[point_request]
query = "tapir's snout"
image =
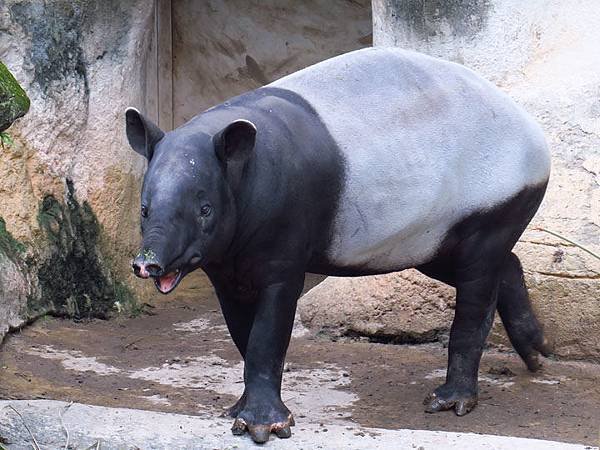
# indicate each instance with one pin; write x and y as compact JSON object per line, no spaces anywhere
{"x":145,"y":268}
{"x":145,"y":265}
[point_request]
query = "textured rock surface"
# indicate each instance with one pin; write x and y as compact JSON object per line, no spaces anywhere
{"x":118,"y":428}
{"x":404,"y":308}
{"x":14,"y":286}
{"x":546,"y":56}
{"x":244,"y":44}
{"x":68,"y":183}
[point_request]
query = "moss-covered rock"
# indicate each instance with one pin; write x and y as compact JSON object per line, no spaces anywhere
{"x":85,"y":61}
{"x":14,"y":102}
{"x":8,"y":244}
{"x":74,"y":281}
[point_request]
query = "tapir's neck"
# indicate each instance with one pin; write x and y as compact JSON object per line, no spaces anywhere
{"x":293,"y":177}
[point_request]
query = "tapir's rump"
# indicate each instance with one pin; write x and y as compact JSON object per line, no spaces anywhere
{"x":425,"y":143}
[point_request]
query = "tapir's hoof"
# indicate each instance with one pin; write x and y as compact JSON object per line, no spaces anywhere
{"x":440,"y":401}
{"x":260,"y":433}
{"x":545,"y":348}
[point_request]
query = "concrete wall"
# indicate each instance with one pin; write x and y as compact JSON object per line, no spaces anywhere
{"x":545,"y":54}
{"x":224,"y":48}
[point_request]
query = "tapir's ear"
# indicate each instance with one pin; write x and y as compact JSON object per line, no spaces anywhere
{"x":142,"y":134}
{"x":236,"y":141}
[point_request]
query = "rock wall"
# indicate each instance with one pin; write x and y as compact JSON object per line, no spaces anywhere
{"x":69,"y":185}
{"x":14,"y":104}
{"x":545,"y":54}
{"x":224,"y":48}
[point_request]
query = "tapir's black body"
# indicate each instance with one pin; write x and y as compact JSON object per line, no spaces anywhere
{"x":281,"y":191}
{"x":259,"y":190}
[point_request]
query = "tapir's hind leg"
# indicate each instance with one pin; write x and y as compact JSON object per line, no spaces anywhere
{"x":475,"y":307}
{"x":477,"y":297}
{"x":523,"y":329}
{"x":476,"y":258}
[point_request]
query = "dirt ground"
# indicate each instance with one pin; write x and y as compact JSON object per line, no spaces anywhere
{"x":178,"y":357}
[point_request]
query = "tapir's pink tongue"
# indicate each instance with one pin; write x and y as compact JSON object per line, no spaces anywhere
{"x":167,"y":282}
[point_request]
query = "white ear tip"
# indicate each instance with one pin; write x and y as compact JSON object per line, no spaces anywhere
{"x":247,"y":122}
{"x":131,"y":108}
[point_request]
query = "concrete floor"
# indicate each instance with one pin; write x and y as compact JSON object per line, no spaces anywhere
{"x":175,"y":369}
{"x":118,"y":428}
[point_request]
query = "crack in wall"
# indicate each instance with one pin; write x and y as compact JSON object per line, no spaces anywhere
{"x":567,"y":275}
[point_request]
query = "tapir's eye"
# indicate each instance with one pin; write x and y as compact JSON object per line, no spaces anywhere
{"x":205,"y":210}
{"x":144,"y":211}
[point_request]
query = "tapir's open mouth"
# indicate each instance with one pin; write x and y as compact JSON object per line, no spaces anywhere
{"x":166,"y":283}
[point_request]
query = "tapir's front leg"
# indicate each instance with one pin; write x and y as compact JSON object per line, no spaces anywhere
{"x":239,"y":315}
{"x":264,"y":411}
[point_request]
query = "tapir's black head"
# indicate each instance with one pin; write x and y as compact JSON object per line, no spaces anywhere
{"x":188,"y":213}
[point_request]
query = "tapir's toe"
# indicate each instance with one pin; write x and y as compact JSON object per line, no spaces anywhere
{"x":283,"y":432}
{"x":546,"y":348}
{"x":239,"y":427}
{"x":260,"y":432}
{"x":462,"y":407}
{"x":532,"y":361}
{"x":439,"y":400}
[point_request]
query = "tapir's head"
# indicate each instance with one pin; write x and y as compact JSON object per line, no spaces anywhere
{"x":187,"y":211}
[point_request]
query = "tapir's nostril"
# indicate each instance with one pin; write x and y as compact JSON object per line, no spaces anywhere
{"x":143,"y":270}
{"x":138,"y":269}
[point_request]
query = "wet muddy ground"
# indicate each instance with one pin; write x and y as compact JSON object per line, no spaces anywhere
{"x":178,"y":357}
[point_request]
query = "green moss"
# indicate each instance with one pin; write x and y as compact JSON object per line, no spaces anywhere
{"x":14,"y":102}
{"x":125,"y":302}
{"x":73,"y":280}
{"x":8,"y":244}
{"x":5,"y":140}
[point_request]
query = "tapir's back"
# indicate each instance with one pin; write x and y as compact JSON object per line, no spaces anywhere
{"x":425,"y":143}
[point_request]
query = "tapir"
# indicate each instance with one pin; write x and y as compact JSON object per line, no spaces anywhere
{"x":371,"y":162}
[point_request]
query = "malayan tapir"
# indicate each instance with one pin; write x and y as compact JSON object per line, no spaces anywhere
{"x":367,"y":163}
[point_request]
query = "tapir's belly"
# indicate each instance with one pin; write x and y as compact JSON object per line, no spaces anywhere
{"x":425,"y":143}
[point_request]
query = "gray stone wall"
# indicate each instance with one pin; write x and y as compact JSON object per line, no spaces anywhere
{"x":224,"y":48}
